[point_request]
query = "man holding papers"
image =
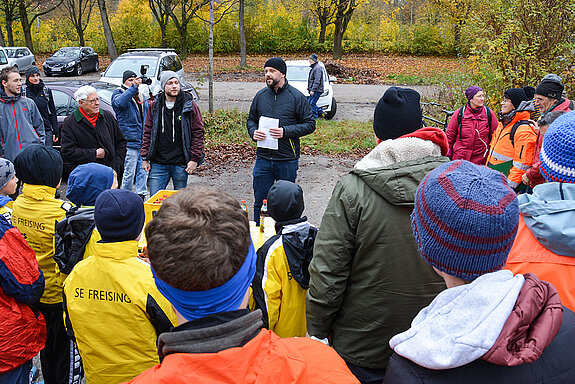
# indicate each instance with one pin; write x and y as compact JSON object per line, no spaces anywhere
{"x":279,"y":116}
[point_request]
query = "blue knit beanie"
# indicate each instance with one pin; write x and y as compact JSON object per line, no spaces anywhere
{"x":87,"y":181}
{"x":119,"y":215}
{"x":465,"y":219}
{"x":557,"y":155}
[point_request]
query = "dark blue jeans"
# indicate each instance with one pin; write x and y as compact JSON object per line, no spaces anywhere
{"x":161,"y":174}
{"x":266,"y":172}
{"x":20,"y":375}
{"x":317,"y":111}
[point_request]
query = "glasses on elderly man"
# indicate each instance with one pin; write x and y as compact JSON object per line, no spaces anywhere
{"x":92,"y":101}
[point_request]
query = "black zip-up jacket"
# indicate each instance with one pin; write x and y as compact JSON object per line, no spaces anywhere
{"x":288,"y":105}
{"x":42,"y":96}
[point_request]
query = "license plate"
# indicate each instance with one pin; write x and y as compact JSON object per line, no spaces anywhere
{"x":56,"y":69}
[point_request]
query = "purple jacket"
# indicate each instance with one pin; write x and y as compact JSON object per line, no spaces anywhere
{"x":472,"y":143}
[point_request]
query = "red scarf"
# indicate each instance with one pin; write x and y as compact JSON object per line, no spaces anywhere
{"x":92,"y":120}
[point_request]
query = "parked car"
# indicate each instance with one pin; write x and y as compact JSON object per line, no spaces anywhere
{"x":72,"y":61}
{"x":20,"y":57}
{"x":3,"y":59}
{"x":297,"y":75}
{"x":155,"y":60}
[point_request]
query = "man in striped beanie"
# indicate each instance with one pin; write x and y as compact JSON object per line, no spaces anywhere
{"x":488,"y":324}
{"x":545,"y":242}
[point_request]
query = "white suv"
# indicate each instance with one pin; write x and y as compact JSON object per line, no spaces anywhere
{"x":297,"y":75}
{"x":3,"y":58}
{"x":157,"y":60}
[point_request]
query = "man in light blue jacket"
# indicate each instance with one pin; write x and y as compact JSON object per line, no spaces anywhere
{"x":131,"y":109}
{"x":20,"y":121}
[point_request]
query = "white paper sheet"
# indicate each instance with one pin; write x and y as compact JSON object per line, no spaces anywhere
{"x":264,"y":125}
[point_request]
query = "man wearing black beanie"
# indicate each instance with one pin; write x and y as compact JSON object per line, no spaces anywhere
{"x":549,"y":95}
{"x":279,"y":116}
{"x":35,"y":214}
{"x":367,"y":279}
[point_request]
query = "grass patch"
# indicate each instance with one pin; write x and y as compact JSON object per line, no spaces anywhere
{"x":330,"y":137}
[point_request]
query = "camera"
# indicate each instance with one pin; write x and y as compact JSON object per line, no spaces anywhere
{"x":145,"y":80}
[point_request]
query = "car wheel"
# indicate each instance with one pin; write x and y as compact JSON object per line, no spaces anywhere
{"x":329,"y":115}
{"x":79,"y":70}
{"x":97,"y":67}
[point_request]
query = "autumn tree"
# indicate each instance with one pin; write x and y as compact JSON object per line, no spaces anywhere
{"x":242,"y":28}
{"x":324,"y":11}
{"x":36,"y":8}
{"x":10,"y":10}
{"x":161,"y":10}
{"x":183,"y":12}
{"x":343,"y":14}
{"x":112,"y":51}
{"x":79,"y":12}
{"x":520,"y":50}
{"x":459,"y":12}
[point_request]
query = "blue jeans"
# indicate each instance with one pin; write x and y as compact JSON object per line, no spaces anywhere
{"x":20,"y":375}
{"x":265,"y":173}
{"x":160,"y":175}
{"x":317,"y":111}
{"x":133,"y":165}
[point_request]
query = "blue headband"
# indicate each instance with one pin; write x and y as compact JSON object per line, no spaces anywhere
{"x":227,"y":297}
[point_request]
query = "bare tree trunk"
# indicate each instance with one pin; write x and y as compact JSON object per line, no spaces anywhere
{"x":322,"y":29}
{"x":25,"y":25}
{"x":2,"y":41}
{"x":243,"y":51}
{"x":112,"y":51}
{"x":338,"y":38}
{"x":9,"y":31}
{"x":80,"y":33}
{"x":211,"y":59}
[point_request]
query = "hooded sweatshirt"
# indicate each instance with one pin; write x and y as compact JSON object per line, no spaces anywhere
{"x":367,"y":279}
{"x":545,"y":242}
{"x":20,"y":124}
{"x":498,"y":329}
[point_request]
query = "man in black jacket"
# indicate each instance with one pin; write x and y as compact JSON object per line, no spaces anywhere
{"x":294,"y":119}
{"x":91,"y":134}
{"x":315,"y":86}
{"x":35,"y":90}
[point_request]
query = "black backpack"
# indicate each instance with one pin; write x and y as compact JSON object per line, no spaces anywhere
{"x":460,"y":118}
{"x":71,"y":237}
{"x":514,"y":129}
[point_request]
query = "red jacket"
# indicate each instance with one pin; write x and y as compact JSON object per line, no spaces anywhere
{"x":564,"y":105}
{"x":472,"y":143}
{"x":266,"y":358}
{"x":22,"y":330}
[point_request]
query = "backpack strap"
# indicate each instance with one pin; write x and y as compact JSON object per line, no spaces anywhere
{"x":460,"y":121}
{"x":514,"y":129}
{"x":488,"y":113}
{"x":572,"y":105}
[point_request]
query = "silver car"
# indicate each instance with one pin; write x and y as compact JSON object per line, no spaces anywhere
{"x":20,"y":57}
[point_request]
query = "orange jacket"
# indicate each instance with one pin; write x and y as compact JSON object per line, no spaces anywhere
{"x":266,"y":358}
{"x":502,"y":150}
{"x":528,"y":255}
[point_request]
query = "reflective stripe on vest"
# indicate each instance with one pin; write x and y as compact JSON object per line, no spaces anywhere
{"x":521,"y":166}
{"x":500,"y":157}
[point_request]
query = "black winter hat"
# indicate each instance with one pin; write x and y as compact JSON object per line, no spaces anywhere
{"x":313,"y":57}
{"x":397,"y":113}
{"x":31,"y":70}
{"x":277,"y":63}
{"x":127,"y":75}
{"x":285,"y":201}
{"x":516,"y":95}
{"x":119,"y":215}
{"x":39,"y":165}
{"x":550,"y":86}
{"x":529,"y":91}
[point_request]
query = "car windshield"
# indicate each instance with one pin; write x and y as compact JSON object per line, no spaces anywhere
{"x":11,"y":52}
{"x":121,"y":64}
{"x":105,"y":94}
{"x":297,"y":73}
{"x":67,"y":52}
{"x":3,"y":58}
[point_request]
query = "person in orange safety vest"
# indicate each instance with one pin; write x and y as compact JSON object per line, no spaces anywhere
{"x":513,"y":143}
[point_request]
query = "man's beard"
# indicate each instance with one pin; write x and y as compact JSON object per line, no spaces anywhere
{"x":273,"y":83}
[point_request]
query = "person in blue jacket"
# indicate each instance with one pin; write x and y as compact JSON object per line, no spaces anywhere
{"x":131,"y":109}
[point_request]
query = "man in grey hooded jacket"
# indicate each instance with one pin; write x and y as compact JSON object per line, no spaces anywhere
{"x":20,"y":121}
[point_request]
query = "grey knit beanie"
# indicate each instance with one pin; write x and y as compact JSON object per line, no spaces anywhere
{"x":6,"y":172}
{"x":167,"y":75}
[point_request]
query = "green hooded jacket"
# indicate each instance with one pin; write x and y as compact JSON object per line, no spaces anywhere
{"x":368,"y":280}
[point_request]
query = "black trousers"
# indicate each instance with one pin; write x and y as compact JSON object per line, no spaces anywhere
{"x":366,"y":375}
{"x":55,"y":357}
